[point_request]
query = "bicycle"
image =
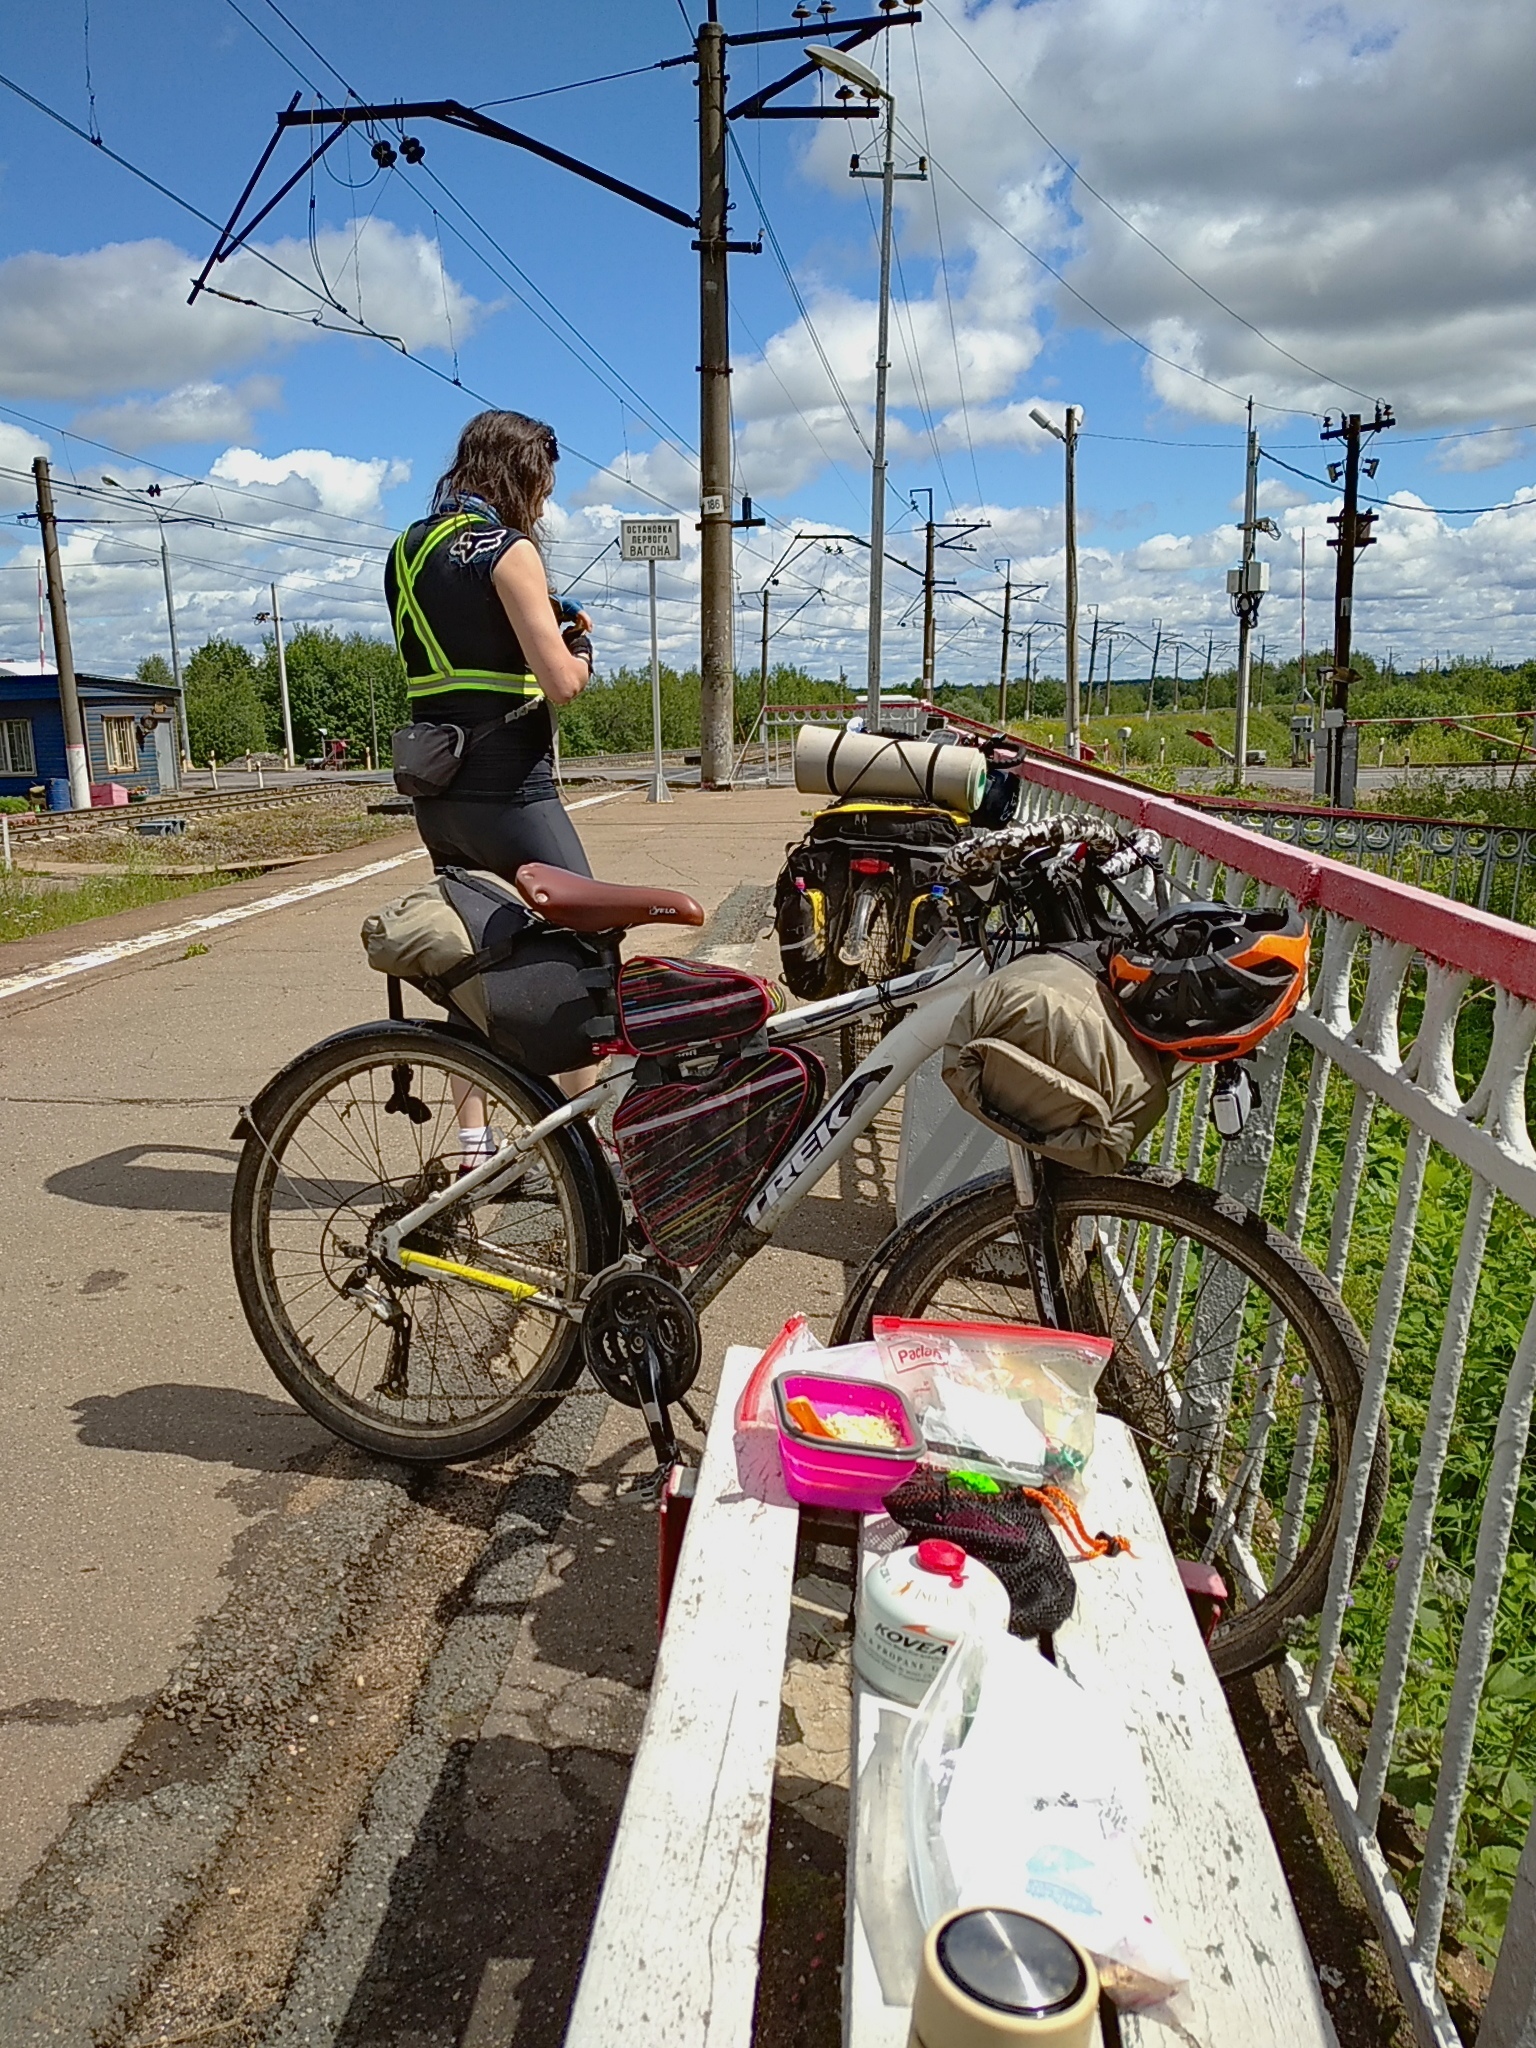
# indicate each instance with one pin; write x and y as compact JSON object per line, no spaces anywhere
{"x":430,"y":1314}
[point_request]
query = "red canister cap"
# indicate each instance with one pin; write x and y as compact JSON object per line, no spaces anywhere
{"x":945,"y":1560}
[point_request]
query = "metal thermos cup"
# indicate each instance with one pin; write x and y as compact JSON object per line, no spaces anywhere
{"x":990,"y":1975}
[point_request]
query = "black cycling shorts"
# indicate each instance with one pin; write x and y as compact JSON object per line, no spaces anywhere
{"x":499,"y":837}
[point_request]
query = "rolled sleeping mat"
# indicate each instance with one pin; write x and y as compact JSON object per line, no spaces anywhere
{"x":832,"y":761}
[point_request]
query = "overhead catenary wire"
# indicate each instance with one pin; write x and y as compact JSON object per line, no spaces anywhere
{"x":1076,"y":174}
{"x":949,"y":304}
{"x":359,"y":328}
{"x":1153,"y":354}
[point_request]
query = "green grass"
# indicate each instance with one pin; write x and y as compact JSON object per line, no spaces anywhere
{"x":26,"y":911}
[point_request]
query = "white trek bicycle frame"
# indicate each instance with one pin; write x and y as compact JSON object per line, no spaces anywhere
{"x":931,"y":996}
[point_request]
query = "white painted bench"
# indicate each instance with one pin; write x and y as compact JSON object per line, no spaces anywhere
{"x":674,"y":1948}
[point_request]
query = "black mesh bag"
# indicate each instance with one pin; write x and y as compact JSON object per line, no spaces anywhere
{"x":1006,"y":1531}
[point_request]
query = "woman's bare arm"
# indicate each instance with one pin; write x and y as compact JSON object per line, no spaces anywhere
{"x":519,"y":582}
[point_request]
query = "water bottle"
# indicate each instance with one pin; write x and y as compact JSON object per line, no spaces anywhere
{"x":990,"y":1975}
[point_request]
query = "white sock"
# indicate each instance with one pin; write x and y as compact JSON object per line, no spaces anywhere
{"x":476,"y":1144}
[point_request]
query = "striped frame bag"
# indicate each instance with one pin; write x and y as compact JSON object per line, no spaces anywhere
{"x":694,"y":1152}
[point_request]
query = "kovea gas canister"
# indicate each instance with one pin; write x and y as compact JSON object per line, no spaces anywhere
{"x":914,"y":1606}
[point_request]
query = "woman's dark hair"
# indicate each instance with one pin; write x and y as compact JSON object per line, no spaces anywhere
{"x":509,"y":460}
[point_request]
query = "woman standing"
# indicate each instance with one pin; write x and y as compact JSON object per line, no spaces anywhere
{"x":480,"y":636}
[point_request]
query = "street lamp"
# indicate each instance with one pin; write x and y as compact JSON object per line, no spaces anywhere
{"x":1067,"y":436}
{"x":153,"y":491}
{"x":841,"y":65}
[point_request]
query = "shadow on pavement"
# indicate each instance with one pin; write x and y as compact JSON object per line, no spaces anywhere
{"x":221,"y":1425}
{"x":125,"y":1180}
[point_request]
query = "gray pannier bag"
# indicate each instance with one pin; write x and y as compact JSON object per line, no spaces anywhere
{"x":1039,"y":1054}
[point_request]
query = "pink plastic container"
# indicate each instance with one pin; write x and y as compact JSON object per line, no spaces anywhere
{"x":855,"y":1477}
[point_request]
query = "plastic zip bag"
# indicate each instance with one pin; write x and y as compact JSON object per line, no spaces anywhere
{"x":1022,"y":1791}
{"x":1004,"y":1398}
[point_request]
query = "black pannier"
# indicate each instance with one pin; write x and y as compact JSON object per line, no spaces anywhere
{"x":548,"y":993}
{"x":811,"y":895}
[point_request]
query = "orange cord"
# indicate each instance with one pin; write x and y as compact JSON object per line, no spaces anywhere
{"x":1063,"y":1510}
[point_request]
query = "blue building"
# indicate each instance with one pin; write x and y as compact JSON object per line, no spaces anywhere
{"x":130,"y":732}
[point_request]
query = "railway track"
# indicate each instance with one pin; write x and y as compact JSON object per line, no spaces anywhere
{"x":55,"y":825}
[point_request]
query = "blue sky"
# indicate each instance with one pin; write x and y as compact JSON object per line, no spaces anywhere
{"x":1354,"y":184}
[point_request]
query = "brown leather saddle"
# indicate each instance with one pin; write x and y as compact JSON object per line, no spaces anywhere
{"x":581,"y":905}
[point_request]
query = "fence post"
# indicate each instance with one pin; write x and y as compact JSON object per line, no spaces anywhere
{"x":1509,"y":2017}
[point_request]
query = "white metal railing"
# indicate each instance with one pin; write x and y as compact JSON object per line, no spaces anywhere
{"x":1399,"y":972}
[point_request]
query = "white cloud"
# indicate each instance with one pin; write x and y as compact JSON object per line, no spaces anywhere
{"x":1357,"y":180}
{"x":341,"y":484}
{"x":1468,"y":453}
{"x":201,"y":411}
{"x":17,"y":450}
{"x":115,"y":319}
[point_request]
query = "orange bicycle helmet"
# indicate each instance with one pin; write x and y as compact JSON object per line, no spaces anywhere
{"x":1206,"y":982}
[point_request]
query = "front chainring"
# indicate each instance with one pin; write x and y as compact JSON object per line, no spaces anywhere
{"x":629,"y":1312}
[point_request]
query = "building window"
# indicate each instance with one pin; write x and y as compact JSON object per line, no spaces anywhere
{"x":122,"y":745}
{"x":16,"y":755}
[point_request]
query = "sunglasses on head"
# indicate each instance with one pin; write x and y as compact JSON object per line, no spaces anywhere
{"x":551,"y":447}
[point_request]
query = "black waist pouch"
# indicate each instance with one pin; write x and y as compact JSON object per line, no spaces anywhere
{"x":427,"y":756}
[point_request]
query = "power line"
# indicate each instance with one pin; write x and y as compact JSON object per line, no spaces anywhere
{"x":359,"y":328}
{"x":1156,"y":355}
{"x":789,"y":279}
{"x":949,"y":306}
{"x":1140,"y":234}
{"x":576,"y":85}
{"x":1393,"y":504}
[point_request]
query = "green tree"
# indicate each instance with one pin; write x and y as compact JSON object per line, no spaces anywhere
{"x":225,"y":713}
{"x":348,"y":686}
{"x":154,"y":672}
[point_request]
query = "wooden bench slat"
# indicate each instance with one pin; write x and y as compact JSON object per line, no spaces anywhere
{"x":674,"y":1950}
{"x":1207,"y":1853}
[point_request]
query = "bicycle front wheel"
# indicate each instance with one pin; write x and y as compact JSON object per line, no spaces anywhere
{"x":429,"y":1366}
{"x":1236,"y":1364}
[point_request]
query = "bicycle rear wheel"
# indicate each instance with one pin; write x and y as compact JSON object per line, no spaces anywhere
{"x":429,"y":1366}
{"x":1236,"y":1364}
{"x":882,"y":958}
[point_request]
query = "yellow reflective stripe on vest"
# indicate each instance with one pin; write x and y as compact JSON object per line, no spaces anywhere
{"x":406,"y":605}
{"x":472,"y":679}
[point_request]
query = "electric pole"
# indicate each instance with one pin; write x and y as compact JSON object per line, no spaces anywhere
{"x":1205,"y":687}
{"x":1002,"y":672}
{"x":185,"y":742}
{"x":1353,"y":537}
{"x":1246,"y":587}
{"x":63,"y":654}
{"x":710,"y":226}
{"x":276,"y":617}
{"x":716,"y":687}
{"x":1029,"y":674}
{"x":1093,"y":659}
{"x":1067,"y":436}
{"x":928,"y":600}
{"x":762,"y":676}
{"x":1157,"y":648}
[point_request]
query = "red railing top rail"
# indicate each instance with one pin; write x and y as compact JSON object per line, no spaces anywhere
{"x":1493,"y":948}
